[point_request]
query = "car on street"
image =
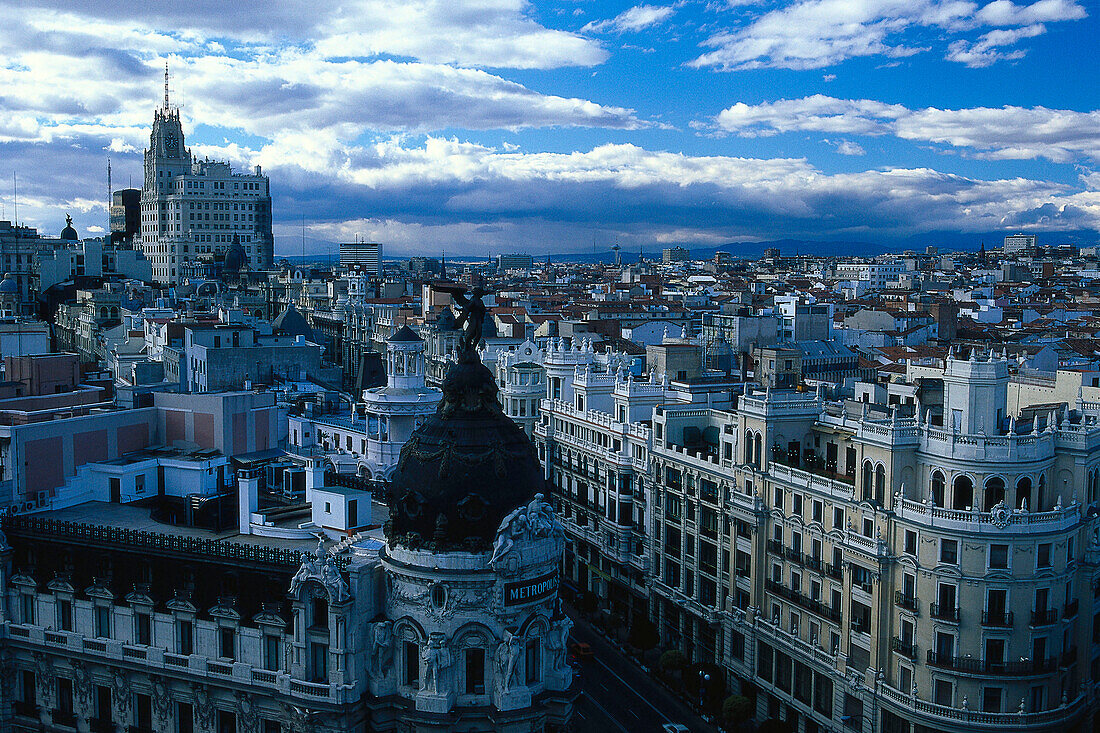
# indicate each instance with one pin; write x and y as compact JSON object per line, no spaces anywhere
{"x":674,"y":728}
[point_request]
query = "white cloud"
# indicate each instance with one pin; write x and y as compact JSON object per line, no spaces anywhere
{"x":986,"y":50}
{"x":811,"y":34}
{"x":1003,"y":133}
{"x":632,"y":20}
{"x":847,"y":147}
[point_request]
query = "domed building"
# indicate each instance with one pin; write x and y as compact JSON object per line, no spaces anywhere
{"x":68,"y":234}
{"x":472,"y":563}
{"x":9,"y":296}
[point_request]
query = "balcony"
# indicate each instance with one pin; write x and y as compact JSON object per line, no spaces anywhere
{"x":793,"y":555}
{"x":775,"y":547}
{"x":64,"y":718}
{"x":904,"y":601}
{"x":944,"y":613}
{"x":969,"y":665}
{"x":1044,"y":617}
{"x":810,"y":604}
{"x":833,"y":571}
{"x":906,"y":648}
{"x":813,"y":563}
{"x":998,"y":619}
{"x":26,"y":709}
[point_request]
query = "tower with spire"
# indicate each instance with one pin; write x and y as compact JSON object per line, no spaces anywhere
{"x":193,"y":209}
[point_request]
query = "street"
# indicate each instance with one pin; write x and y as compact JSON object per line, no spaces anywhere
{"x":616,"y":695}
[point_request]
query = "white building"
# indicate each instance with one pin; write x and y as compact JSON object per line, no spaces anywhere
{"x":192,"y":208}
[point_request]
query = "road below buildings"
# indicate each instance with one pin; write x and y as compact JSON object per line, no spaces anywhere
{"x":617,"y":696}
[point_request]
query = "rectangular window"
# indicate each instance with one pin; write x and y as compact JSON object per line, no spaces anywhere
{"x":185,"y":636}
{"x":65,"y":615}
{"x":271,"y":652}
{"x":910,"y":542}
{"x":185,"y":718}
{"x":65,"y":695}
{"x":103,"y":621}
{"x":412,"y":664}
{"x":226,"y":642}
{"x":533,"y":661}
{"x":318,"y":662}
{"x":998,"y":557}
{"x":28,"y":608}
{"x":1044,"y":555}
{"x":949,"y":552}
{"x":227,"y":722}
{"x":475,"y":671}
{"x":143,"y":712}
{"x":142,"y":628}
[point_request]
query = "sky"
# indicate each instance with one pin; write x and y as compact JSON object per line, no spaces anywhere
{"x":488,"y":126}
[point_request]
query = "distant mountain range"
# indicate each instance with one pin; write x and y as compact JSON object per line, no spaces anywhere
{"x":945,"y":241}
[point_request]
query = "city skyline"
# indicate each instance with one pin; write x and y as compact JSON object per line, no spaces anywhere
{"x":510,"y":126}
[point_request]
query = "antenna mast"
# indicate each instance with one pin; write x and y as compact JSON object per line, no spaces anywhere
{"x":165,"y":86}
{"x":110,"y":197}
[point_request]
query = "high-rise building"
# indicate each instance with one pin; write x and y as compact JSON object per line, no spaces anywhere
{"x":515,"y":261}
{"x":1019,"y":244}
{"x":674,"y":254}
{"x":368,"y":255}
{"x":193,"y":209}
{"x":125,"y":214}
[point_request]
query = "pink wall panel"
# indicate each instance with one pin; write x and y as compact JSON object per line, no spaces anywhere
{"x":204,"y":429}
{"x":89,"y":447}
{"x":132,"y":437}
{"x":43,"y":465}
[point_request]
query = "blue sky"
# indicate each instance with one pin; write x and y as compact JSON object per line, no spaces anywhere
{"x":502,"y":125}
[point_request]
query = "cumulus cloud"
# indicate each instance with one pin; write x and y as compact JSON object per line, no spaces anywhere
{"x":632,"y":20}
{"x":479,"y":33}
{"x":811,"y":34}
{"x":1001,"y":133}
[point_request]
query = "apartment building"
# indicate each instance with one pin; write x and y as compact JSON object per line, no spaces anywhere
{"x":910,"y":568}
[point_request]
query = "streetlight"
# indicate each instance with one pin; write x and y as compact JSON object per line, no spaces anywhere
{"x":704,"y":678}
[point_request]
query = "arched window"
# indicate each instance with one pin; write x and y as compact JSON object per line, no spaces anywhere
{"x":880,"y":484}
{"x":868,"y":477}
{"x":962,"y":494}
{"x":939,"y":486}
{"x":994,"y":493}
{"x":1023,"y":493}
{"x":1040,"y":496}
{"x":756,"y":450}
{"x":748,"y":446}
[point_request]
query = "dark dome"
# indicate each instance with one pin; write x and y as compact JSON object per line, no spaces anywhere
{"x":406,"y":334}
{"x":235,"y":258}
{"x":292,"y":323}
{"x":463,"y":469}
{"x":68,"y":234}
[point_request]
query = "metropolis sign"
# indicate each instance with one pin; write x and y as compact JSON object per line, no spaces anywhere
{"x":529,"y":591}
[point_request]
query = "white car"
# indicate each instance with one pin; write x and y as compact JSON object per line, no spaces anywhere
{"x":675,"y":728}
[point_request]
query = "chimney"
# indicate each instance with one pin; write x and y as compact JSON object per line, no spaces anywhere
{"x":248,"y":497}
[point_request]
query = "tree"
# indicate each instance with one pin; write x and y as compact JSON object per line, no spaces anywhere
{"x":643,"y":633}
{"x":673,"y":661}
{"x":736,"y":710}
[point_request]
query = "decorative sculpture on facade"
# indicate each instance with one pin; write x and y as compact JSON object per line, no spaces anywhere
{"x":533,"y":521}
{"x":558,"y":641}
{"x":508,"y":655}
{"x":382,"y":648}
{"x":436,"y":659}
{"x":471,"y":319}
{"x":321,"y":567}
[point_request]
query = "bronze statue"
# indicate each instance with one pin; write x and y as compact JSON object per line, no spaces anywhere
{"x":472,"y":317}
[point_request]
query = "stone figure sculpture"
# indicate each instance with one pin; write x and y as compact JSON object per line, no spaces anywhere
{"x":435,"y":659}
{"x":534,"y":520}
{"x":508,"y":654}
{"x":558,"y":641}
{"x":382,"y":650}
{"x":472,"y":318}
